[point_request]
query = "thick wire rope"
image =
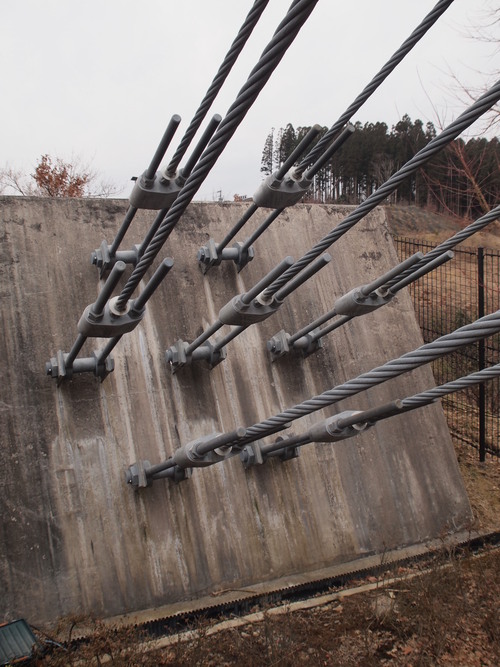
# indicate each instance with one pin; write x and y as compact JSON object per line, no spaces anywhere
{"x":431,"y":395}
{"x":323,"y":143}
{"x":466,"y":119}
{"x":397,"y":407}
{"x":226,"y":66}
{"x":231,"y":57}
{"x":283,"y":37}
{"x":471,"y":333}
{"x":391,"y":64}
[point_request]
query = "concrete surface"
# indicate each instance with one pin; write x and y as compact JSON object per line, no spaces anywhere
{"x":74,"y":538}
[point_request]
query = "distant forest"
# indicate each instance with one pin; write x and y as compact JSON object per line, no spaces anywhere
{"x":463,"y":179}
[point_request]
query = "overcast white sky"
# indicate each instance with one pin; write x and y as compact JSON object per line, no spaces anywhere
{"x":100,"y":79}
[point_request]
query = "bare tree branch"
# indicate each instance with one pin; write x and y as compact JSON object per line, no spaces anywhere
{"x":53,"y":177}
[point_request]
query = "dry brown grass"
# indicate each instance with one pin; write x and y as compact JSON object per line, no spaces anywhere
{"x":482,"y":481}
{"x":424,"y":224}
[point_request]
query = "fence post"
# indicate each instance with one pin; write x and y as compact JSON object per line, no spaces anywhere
{"x":481,"y":356}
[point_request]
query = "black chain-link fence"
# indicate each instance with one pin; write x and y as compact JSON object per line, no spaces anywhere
{"x":455,"y":294}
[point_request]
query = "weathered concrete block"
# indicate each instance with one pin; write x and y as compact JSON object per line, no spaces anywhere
{"x":75,"y":537}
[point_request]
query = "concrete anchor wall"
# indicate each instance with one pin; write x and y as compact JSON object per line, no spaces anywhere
{"x":75,"y":538}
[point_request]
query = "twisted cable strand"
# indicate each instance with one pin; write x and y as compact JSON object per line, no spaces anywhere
{"x":283,"y":37}
{"x":226,"y":66}
{"x":407,"y":404}
{"x":482,"y":328}
{"x":431,"y":395}
{"x":391,"y":64}
{"x":470,"y":115}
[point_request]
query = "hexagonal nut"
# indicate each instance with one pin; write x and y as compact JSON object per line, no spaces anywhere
{"x":278,"y":344}
{"x":176,"y":354}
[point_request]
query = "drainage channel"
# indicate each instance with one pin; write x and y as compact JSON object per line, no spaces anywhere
{"x":157,"y":624}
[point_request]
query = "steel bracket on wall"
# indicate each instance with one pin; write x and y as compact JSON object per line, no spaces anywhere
{"x":254,"y":453}
{"x":209,"y":255}
{"x":104,"y":261}
{"x":279,"y":344}
{"x":59,"y":370}
{"x":177,"y":355}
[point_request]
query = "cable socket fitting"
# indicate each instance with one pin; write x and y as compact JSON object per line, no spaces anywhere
{"x":110,"y":323}
{"x":155,"y":193}
{"x":188,"y":456}
{"x":238,"y":313}
{"x":356,"y":303}
{"x":276,"y":193}
{"x":330,"y":430}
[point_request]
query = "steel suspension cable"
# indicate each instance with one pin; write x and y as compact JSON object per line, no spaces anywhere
{"x":391,"y":64}
{"x":397,"y":407}
{"x":226,"y":66}
{"x":431,"y":395}
{"x":285,"y":34}
{"x":466,"y":119}
{"x":471,"y":333}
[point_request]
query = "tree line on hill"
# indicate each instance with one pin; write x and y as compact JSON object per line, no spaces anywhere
{"x":463,"y":179}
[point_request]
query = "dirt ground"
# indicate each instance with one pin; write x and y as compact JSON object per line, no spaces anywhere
{"x":482,"y":481}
